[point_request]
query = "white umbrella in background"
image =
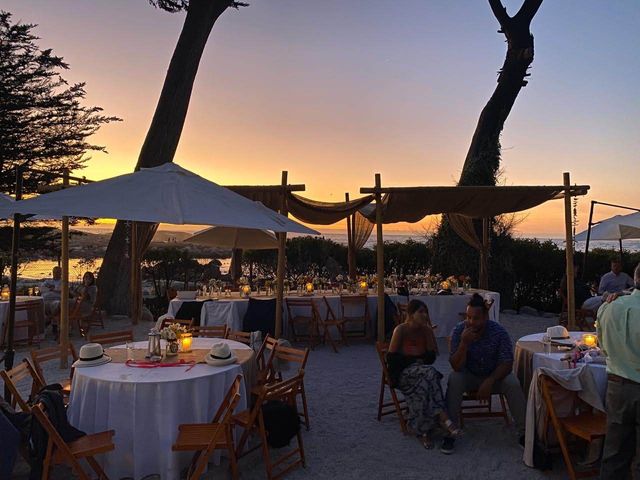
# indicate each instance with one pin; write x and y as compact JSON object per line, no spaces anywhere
{"x":619,"y":227}
{"x":231,"y":237}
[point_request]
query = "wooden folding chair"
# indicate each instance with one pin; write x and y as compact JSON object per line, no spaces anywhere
{"x":85,"y":322}
{"x":402,"y":313}
{"x":588,"y":425}
{"x":112,"y":337}
{"x":472,"y":407}
{"x":204,"y":438}
{"x":264,"y":358}
{"x":238,"y":336}
{"x":309,"y":319}
{"x":181,"y":321}
{"x":331,"y":320}
{"x":253,"y":420}
{"x":86,"y":447}
{"x":396,"y":405}
{"x":292,"y":355}
{"x":349,"y":303}
{"x":49,"y":354}
{"x":210,"y":331}
{"x":21,"y":372}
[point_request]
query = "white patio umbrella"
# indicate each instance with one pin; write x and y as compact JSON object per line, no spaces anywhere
{"x":619,"y":227}
{"x":231,"y":237}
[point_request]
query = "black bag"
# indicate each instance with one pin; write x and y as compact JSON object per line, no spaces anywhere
{"x":57,"y":413}
{"x":281,"y":422}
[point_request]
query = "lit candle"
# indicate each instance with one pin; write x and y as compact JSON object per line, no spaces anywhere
{"x":185,"y":342}
{"x":364,"y":285}
{"x":246,"y":290}
{"x":4,"y":294}
{"x":589,"y":339}
{"x":309,"y":287}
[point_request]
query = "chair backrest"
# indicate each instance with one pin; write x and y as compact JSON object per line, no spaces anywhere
{"x":44,"y":355}
{"x":382,"y":348}
{"x":242,"y":337}
{"x":181,"y":321}
{"x":11,"y":378}
{"x":210,"y":331}
{"x":219,"y":313}
{"x":226,"y":407}
{"x":297,"y":304}
{"x":330,"y":313}
{"x":403,"y":309}
{"x":57,"y":441}
{"x":359,"y":303}
{"x":291,"y":354}
{"x":112,"y":337}
{"x":285,"y":389}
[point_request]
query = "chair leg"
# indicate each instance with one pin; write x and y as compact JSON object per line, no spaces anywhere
{"x":304,"y":406}
{"x":327,"y":335}
{"x":97,"y":468}
{"x":381,"y":399}
{"x":265,"y":447}
{"x":504,"y":410}
{"x":46,"y":466}
{"x":233,"y":461}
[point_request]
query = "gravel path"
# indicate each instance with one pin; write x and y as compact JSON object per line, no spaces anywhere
{"x":347,"y":442}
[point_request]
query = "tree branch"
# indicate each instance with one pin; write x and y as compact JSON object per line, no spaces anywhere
{"x":500,"y":12}
{"x":528,"y":10}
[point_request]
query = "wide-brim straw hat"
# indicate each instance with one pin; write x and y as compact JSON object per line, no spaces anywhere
{"x":558,"y":332}
{"x":220,"y":355}
{"x":91,"y":355}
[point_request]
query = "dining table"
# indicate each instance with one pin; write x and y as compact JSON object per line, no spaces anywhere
{"x":145,"y":406}
{"x":37,"y":315}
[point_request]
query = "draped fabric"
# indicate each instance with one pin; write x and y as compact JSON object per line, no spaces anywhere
{"x":412,"y":204}
{"x":323,"y":213}
{"x":270,"y":196}
{"x":360,"y":229}
{"x":465,"y":229}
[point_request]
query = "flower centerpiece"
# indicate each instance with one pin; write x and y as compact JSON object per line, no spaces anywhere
{"x":171,"y":333}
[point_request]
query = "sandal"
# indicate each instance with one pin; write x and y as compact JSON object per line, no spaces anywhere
{"x":451,"y":428}
{"x":426,"y":442}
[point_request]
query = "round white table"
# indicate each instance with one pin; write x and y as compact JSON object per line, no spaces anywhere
{"x":552,"y":360}
{"x":145,"y":406}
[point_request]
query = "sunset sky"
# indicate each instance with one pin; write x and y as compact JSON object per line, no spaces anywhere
{"x":335,"y":91}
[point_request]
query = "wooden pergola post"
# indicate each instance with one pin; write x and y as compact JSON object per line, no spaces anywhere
{"x":571,"y":299}
{"x":350,"y":253}
{"x":136,"y":294}
{"x":282,"y":243}
{"x":379,"y":258}
{"x":64,"y":285}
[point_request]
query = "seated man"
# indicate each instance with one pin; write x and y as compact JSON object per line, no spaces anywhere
{"x":482,"y":360}
{"x":616,"y":280}
{"x":51,"y":292}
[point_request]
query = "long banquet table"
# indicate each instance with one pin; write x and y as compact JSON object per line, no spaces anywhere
{"x":444,"y":310}
{"x":39,"y":320}
{"x":145,"y":406}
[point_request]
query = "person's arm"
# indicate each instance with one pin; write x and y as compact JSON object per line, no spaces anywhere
{"x":603,"y":284}
{"x":396,"y":339}
{"x":459,"y":345}
{"x":504,"y":367}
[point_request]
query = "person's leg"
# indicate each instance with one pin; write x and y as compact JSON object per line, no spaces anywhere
{"x":620,"y":442}
{"x":457,"y":385}
{"x":9,"y":443}
{"x":510,"y":387}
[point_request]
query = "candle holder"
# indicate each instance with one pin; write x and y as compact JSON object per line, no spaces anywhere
{"x":245,"y":290}
{"x":5,"y":293}
{"x":590,"y":340}
{"x":309,"y":288}
{"x":185,"y":342}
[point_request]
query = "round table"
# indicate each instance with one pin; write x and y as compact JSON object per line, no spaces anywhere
{"x":145,"y":406}
{"x":529,"y":355}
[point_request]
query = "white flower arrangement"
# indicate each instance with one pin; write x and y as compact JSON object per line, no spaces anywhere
{"x":339,"y":278}
{"x":171,"y":332}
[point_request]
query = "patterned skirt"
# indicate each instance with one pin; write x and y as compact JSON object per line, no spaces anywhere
{"x":420,"y":385}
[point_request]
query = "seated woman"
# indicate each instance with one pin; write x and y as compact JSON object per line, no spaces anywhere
{"x":87,"y":294}
{"x":411,"y":353}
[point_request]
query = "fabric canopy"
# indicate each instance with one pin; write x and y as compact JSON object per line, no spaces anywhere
{"x":230,"y":237}
{"x":619,"y":227}
{"x":412,"y":204}
{"x":164,"y":194}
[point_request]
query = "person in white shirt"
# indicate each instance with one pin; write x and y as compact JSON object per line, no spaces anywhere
{"x":616,"y":280}
{"x":50,"y":291}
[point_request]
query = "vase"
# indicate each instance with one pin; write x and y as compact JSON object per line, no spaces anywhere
{"x":172,"y":348}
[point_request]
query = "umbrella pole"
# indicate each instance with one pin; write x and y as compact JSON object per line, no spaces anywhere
{"x":282,"y":243}
{"x":571,"y":307}
{"x":379,"y":259}
{"x":64,"y":287}
{"x":135,"y":275}
{"x":15,"y":245}
{"x":620,"y":242}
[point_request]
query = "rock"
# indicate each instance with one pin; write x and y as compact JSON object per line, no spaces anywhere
{"x":509,"y":312}
{"x":147,"y":316}
{"x":549,"y":315}
{"x":529,"y":311}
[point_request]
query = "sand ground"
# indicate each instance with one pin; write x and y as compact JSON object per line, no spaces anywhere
{"x":345,"y":439}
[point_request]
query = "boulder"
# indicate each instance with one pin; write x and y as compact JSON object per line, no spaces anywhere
{"x":509,"y":312}
{"x":529,"y":311}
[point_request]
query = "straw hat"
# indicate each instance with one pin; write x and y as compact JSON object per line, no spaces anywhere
{"x":558,"y":332}
{"x":220,"y":355}
{"x":91,"y":354}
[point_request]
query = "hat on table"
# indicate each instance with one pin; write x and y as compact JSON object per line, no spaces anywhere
{"x":220,"y":355}
{"x":558,"y":332}
{"x":91,"y":354}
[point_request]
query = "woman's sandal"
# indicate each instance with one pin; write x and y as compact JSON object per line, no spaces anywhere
{"x":426,"y":442}
{"x":451,"y":428}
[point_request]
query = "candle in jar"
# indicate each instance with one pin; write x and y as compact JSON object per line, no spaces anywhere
{"x":589,"y":339}
{"x":185,"y":341}
{"x":364,"y":285}
{"x":309,"y":287}
{"x":246,"y":290}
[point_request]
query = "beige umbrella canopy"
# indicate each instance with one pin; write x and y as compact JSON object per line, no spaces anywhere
{"x":231,"y":237}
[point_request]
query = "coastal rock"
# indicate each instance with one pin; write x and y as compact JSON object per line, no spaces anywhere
{"x":529,"y":311}
{"x":508,"y":311}
{"x":549,"y":315}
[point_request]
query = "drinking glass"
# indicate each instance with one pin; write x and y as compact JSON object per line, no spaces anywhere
{"x":546,"y":341}
{"x":129,"y":347}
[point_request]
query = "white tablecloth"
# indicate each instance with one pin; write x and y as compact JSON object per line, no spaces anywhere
{"x":21,"y":333}
{"x":553,"y":360}
{"x":145,"y":406}
{"x":444,"y":309}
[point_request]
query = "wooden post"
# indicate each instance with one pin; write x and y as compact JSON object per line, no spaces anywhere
{"x":571,"y":300}
{"x":64,"y":285}
{"x":379,"y":258}
{"x":135,"y":276}
{"x":483,"y":280}
{"x":350,"y":252}
{"x":586,"y":247}
{"x":282,"y":243}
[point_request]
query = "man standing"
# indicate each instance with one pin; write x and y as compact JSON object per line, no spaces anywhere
{"x":616,"y":280}
{"x":482,"y":360}
{"x":619,"y":334}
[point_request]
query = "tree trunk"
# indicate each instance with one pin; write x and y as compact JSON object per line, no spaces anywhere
{"x":160,"y":143}
{"x":482,"y":162}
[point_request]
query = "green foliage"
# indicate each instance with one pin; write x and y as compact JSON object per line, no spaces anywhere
{"x":164,"y":265}
{"x":43,"y":123}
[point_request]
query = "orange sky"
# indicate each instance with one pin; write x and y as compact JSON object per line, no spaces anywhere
{"x":333,"y":93}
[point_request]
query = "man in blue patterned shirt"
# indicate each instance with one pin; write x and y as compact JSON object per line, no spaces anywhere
{"x":482,"y":360}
